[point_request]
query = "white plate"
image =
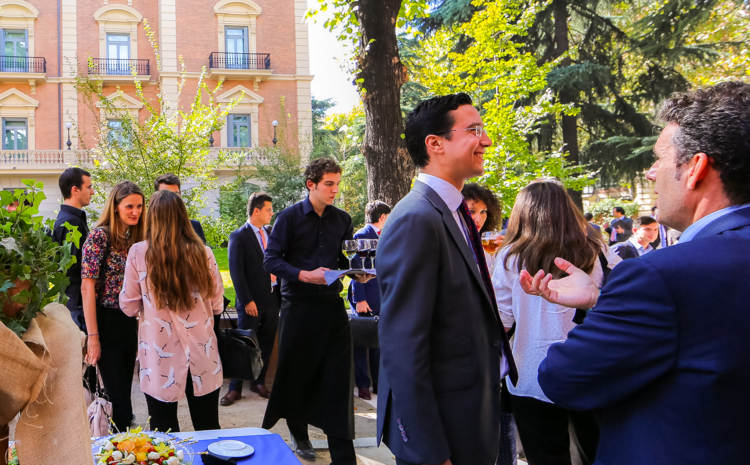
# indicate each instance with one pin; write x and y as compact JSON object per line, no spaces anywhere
{"x":231,"y":448}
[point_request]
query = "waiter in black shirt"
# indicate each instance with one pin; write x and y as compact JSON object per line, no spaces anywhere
{"x":75,"y":186}
{"x":313,"y":383}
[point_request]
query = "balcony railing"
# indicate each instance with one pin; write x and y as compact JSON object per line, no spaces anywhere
{"x":119,"y":67}
{"x":10,"y":64}
{"x":228,"y":60}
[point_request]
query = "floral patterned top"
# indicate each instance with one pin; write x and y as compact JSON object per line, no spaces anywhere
{"x":93,"y":254}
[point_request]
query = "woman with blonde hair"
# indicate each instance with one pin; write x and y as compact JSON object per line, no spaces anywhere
{"x":112,"y":337}
{"x":545,"y":224}
{"x":173,"y":285}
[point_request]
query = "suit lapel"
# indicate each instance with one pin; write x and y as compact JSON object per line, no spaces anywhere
{"x":250,"y":235}
{"x":734,"y":220}
{"x":456,"y":233}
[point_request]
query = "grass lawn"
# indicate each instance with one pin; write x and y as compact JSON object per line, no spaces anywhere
{"x":223,"y":261}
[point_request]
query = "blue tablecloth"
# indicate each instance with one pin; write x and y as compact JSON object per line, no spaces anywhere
{"x":270,"y":449}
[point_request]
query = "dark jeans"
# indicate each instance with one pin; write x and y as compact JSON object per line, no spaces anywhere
{"x":118,"y":337}
{"x":204,"y":411}
{"x":363,"y":356}
{"x":342,"y":450}
{"x":265,"y":325}
{"x":544,"y":431}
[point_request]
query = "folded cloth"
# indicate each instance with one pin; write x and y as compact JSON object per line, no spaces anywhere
{"x":270,"y":449}
{"x":333,"y":275}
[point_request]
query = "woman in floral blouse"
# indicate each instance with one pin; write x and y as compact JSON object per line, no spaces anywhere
{"x":173,"y":285}
{"x":113,"y":337}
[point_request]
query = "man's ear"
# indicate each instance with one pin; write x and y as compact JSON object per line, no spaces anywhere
{"x":698,"y":169}
{"x":434,"y":143}
{"x":310,"y":185}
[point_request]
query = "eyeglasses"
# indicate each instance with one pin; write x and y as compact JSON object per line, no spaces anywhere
{"x":478,"y":131}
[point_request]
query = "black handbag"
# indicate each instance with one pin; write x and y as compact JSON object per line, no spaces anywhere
{"x":239,"y":351}
{"x":365,"y":331}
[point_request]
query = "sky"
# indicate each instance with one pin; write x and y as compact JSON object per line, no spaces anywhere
{"x":330,"y":80}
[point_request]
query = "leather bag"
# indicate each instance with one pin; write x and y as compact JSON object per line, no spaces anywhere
{"x":239,"y":351}
{"x":99,"y":410}
{"x":365,"y":331}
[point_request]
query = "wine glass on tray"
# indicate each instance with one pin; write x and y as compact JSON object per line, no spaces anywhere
{"x":372,"y":250}
{"x":349,"y":248}
{"x":363,"y":250}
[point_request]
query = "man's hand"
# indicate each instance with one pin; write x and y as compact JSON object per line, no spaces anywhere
{"x":314,"y":277}
{"x":251,"y":309}
{"x":273,"y":278}
{"x":362,"y":307}
{"x":575,"y":291}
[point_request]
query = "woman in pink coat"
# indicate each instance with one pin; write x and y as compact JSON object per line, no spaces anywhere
{"x":172,"y":283}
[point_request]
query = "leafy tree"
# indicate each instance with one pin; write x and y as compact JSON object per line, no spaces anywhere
{"x":168,"y":139}
{"x":320,"y":135}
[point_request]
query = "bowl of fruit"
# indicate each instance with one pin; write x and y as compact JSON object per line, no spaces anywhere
{"x":139,"y":447}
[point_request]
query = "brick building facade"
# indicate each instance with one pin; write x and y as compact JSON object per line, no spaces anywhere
{"x":256,"y":46}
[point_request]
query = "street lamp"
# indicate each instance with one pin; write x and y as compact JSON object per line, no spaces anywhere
{"x":274,"y":124}
{"x":69,"y":125}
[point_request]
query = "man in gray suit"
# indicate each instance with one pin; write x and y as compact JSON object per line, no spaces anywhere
{"x":443,"y":348}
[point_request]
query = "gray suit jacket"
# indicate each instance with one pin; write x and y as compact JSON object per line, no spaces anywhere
{"x":440,"y":339}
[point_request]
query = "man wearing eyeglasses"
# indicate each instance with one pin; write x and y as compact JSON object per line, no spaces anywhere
{"x":443,"y":348}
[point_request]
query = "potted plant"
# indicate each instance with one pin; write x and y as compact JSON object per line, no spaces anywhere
{"x":32,"y":264}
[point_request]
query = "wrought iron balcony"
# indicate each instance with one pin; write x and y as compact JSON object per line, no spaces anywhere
{"x":119,"y":67}
{"x":9,"y":64}
{"x":226,"y":60}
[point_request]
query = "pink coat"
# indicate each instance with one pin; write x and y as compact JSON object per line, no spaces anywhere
{"x":168,"y":342}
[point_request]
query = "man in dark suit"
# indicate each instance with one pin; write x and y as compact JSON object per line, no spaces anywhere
{"x":589,"y":217}
{"x":364,"y":299}
{"x":258,"y":296}
{"x":76,"y":188}
{"x":621,"y":228}
{"x":443,"y":348}
{"x":663,"y":354}
{"x":171,"y":182}
{"x":645,"y":231}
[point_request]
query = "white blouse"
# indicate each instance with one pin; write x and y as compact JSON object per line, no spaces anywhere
{"x":539,"y":324}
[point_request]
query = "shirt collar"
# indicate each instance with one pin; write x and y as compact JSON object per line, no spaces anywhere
{"x":693,"y":230}
{"x":638,"y":246}
{"x":377,"y":230}
{"x":255,"y":229}
{"x":73,"y":210}
{"x":307,"y":207}
{"x":447,"y":191}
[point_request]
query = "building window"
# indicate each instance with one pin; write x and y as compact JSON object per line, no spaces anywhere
{"x":237,"y":48}
{"x":15,"y":134}
{"x":116,"y":133}
{"x":15,"y":49}
{"x":118,"y":53}
{"x":239,"y":130}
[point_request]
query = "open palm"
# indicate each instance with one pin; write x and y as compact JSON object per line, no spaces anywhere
{"x":577,"y":290}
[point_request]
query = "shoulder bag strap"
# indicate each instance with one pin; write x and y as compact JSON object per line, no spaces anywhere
{"x":103,"y":267}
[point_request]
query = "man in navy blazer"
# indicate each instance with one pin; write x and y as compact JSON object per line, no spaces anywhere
{"x":258,"y":297}
{"x":443,"y":349}
{"x":664,"y":353}
{"x":364,"y":300}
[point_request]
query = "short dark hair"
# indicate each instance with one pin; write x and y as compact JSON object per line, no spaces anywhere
{"x":71,"y":177}
{"x":643,"y":221}
{"x":431,"y":116}
{"x":619,"y":210}
{"x":588,"y":216}
{"x":169,"y":179}
{"x":715,"y":121}
{"x":474,"y":192}
{"x":317,"y":168}
{"x":375,"y":209}
{"x":257,"y":200}
{"x":653,"y":208}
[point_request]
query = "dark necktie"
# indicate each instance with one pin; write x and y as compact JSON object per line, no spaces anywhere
{"x":475,"y":243}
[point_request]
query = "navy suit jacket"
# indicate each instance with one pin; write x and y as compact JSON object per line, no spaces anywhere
{"x":198,"y":228}
{"x":441,"y":340}
{"x":664,"y":354}
{"x":252,"y":283}
{"x":625,"y":250}
{"x":370,"y":291}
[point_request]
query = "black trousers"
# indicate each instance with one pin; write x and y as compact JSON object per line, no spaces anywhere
{"x":118,"y":337}
{"x":204,"y":410}
{"x":265,"y":325}
{"x":544,"y":431}
{"x":342,"y":450}
{"x":362,"y":358}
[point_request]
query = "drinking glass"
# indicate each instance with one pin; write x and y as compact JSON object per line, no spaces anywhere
{"x":373,"y":249}
{"x":488,"y":241}
{"x":363,"y":250}
{"x":350,"y":251}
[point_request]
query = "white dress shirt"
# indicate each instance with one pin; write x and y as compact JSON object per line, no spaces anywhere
{"x":539,"y":324}
{"x":258,"y":232}
{"x":698,"y":226}
{"x":641,"y":250}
